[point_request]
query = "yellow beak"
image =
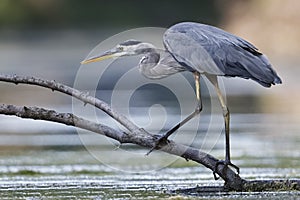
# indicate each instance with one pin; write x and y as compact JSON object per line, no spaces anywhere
{"x":97,"y":58}
{"x":106,"y":55}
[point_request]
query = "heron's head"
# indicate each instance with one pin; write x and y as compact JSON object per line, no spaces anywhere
{"x":126,"y":48}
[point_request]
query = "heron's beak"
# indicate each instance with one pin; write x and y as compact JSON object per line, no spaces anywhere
{"x":106,"y":55}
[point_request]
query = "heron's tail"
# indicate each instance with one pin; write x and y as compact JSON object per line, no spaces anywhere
{"x":275,"y":79}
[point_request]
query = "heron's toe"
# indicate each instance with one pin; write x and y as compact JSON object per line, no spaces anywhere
{"x":160,"y":141}
{"x":226,"y":163}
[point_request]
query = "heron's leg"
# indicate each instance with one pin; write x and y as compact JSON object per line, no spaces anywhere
{"x":196,"y":111}
{"x":198,"y":91}
{"x":164,"y":138}
{"x":226,"y":115}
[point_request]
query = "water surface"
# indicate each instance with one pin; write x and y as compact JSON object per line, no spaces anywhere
{"x":64,"y":169}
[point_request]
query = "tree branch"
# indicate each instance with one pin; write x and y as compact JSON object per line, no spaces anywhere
{"x":139,"y":137}
{"x":135,"y":135}
{"x":84,"y":97}
{"x":69,"y":119}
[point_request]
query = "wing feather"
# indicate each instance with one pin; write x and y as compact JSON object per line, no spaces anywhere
{"x":211,"y":50}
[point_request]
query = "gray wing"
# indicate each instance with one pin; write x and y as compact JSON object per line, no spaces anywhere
{"x":208,"y":49}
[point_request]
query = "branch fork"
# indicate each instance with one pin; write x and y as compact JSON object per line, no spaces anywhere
{"x":134,"y":134}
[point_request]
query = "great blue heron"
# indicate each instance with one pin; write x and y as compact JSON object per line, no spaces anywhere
{"x":203,"y":50}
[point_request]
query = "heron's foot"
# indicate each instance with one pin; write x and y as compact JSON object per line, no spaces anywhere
{"x":160,"y":141}
{"x":226,"y":163}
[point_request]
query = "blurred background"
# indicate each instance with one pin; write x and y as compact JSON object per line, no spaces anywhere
{"x":49,"y":38}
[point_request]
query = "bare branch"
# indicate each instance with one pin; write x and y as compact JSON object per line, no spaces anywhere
{"x":135,"y":135}
{"x":139,"y":137}
{"x":32,"y":112}
{"x":87,"y":99}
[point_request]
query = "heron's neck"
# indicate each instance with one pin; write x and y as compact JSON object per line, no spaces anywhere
{"x":148,"y":63}
{"x":157,"y":65}
{"x":144,"y":48}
